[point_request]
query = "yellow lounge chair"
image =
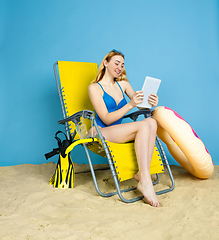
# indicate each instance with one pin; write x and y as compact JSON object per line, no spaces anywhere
{"x":73,"y":79}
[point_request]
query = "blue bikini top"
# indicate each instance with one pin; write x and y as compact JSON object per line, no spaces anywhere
{"x":111,"y":106}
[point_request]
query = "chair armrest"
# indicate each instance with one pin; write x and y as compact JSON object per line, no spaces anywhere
{"x":146,"y":112}
{"x":75,"y":118}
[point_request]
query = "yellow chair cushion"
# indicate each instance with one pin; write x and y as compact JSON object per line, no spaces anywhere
{"x":125,"y":160}
{"x":75,"y":77}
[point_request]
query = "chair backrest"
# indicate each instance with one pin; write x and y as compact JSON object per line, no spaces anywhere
{"x":74,"y":79}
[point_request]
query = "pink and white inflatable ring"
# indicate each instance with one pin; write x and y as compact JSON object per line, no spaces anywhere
{"x":183,"y":143}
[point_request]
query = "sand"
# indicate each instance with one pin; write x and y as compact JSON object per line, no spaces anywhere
{"x":30,"y":208}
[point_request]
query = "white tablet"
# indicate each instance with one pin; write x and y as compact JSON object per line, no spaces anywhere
{"x":150,"y":86}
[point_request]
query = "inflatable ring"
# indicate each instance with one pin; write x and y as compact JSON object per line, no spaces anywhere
{"x":183,"y":143}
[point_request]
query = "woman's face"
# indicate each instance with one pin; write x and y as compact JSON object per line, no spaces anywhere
{"x":115,"y":66}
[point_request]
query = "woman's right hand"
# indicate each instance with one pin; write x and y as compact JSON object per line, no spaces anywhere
{"x":137,"y":98}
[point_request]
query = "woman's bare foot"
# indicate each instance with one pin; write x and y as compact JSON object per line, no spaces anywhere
{"x":148,"y":192}
{"x":137,"y":177}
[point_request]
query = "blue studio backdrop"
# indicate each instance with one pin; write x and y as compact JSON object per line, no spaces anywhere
{"x":176,"y":41}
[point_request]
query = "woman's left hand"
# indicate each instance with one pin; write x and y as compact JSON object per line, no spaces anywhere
{"x":153,"y":100}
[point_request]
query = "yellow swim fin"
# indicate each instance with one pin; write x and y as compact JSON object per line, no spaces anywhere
{"x":65,"y":173}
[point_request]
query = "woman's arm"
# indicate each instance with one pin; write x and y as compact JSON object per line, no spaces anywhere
{"x":128,"y":89}
{"x":153,"y":98}
{"x":95,"y":94}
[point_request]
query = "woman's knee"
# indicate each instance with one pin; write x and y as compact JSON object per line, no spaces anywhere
{"x":151,"y":123}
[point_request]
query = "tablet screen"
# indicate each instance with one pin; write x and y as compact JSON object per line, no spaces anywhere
{"x":150,"y":86}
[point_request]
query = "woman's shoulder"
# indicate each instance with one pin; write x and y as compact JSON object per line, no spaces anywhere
{"x":124,"y":84}
{"x":93,"y":87}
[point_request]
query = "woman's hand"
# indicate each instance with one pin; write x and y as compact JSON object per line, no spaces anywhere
{"x":137,"y":98}
{"x":153,"y":100}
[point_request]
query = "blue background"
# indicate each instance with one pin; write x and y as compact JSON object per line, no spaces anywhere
{"x":176,"y":41}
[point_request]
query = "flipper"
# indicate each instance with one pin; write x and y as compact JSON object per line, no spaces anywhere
{"x":65,"y":173}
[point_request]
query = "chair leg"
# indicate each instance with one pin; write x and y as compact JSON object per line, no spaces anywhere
{"x":119,"y":191}
{"x":166,"y":163}
{"x":113,"y":171}
{"x":157,"y":180}
{"x":94,"y":176}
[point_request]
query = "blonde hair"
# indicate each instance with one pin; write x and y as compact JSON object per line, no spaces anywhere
{"x":102,"y":68}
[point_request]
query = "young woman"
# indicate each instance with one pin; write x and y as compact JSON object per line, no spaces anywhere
{"x":107,"y":96}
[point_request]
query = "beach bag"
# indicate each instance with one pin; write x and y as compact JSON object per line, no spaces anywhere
{"x":64,"y":173}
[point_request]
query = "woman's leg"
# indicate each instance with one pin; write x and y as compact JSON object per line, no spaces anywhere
{"x":151,"y":146}
{"x":144,"y":134}
{"x":144,"y":145}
